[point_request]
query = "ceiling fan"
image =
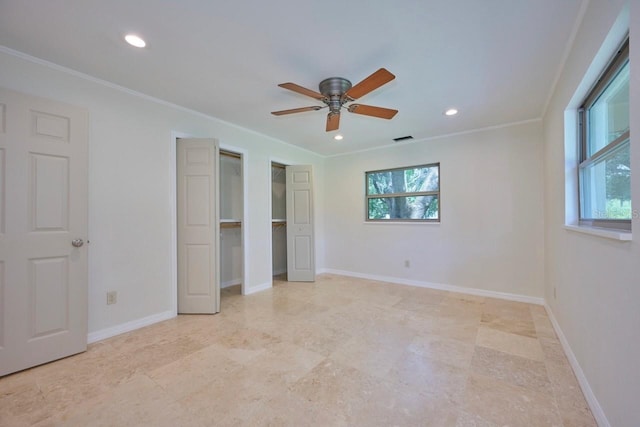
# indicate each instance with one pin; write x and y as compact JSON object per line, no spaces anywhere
{"x":335,"y":92}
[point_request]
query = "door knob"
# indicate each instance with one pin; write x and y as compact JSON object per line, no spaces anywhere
{"x":77,"y":243}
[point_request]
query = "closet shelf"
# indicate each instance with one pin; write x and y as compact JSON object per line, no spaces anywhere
{"x":230,"y":223}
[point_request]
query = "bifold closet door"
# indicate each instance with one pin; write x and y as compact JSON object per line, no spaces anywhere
{"x":198,"y":226}
{"x":43,"y":230}
{"x":301,"y":266}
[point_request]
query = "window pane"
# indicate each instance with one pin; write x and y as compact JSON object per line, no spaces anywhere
{"x":403,"y":180}
{"x":411,"y":207}
{"x":606,"y":186}
{"x":608,"y":117}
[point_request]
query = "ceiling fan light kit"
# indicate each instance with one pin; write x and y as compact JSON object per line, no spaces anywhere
{"x":335,"y":92}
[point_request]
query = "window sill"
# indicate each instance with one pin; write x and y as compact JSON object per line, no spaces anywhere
{"x":620,"y":235}
{"x":403,"y":222}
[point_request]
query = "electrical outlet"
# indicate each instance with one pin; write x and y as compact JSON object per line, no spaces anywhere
{"x":407,"y":263}
{"x":112,"y":297}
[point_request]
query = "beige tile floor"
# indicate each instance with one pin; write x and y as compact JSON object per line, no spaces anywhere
{"x":339,"y":352}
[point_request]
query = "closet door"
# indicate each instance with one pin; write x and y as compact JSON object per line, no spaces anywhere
{"x":198,"y":226}
{"x":301,"y":265}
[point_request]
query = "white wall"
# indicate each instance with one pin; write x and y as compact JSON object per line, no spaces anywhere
{"x":596,"y":279}
{"x":491,"y":233}
{"x":130,"y":186}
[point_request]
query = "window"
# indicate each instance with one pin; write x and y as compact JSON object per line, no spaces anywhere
{"x":604,"y":170}
{"x":404,"y":194}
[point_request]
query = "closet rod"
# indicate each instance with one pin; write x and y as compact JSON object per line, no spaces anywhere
{"x":230,"y":154}
{"x":230,"y":224}
{"x":279,"y":224}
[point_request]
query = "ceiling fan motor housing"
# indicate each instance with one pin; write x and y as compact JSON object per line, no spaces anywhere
{"x":335,"y":92}
{"x":333,"y":88}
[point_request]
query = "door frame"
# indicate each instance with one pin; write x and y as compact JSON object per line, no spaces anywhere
{"x":173,"y":175}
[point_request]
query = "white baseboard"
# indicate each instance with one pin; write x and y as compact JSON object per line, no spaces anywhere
{"x":258,"y":288}
{"x":439,"y":286}
{"x":159,"y":317}
{"x":231,"y":282}
{"x":129,"y":326}
{"x":594,"y":405}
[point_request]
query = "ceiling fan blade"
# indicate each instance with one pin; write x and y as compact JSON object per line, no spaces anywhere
{"x":333,"y":121}
{"x":368,"y":110}
{"x":371,"y":83}
{"x":296,"y":110}
{"x":302,"y":90}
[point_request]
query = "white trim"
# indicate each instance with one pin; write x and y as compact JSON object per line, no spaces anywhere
{"x":620,"y":235}
{"x":129,"y":326}
{"x":435,"y":137}
{"x":565,"y":55}
{"x":279,"y":272}
{"x":460,"y":289}
{"x":606,"y":50}
{"x":54,"y":66}
{"x":594,"y":405}
{"x":106,"y":83}
{"x":258,"y":288}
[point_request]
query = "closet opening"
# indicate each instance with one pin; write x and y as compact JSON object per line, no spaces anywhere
{"x":231,"y":216}
{"x":279,"y":221}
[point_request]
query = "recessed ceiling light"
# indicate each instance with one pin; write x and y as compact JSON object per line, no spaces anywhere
{"x":338,"y":137}
{"x":134,"y":40}
{"x":451,"y":112}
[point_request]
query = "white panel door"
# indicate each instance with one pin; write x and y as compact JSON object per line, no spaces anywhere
{"x":198,"y":226}
{"x":43,"y":210}
{"x":301,"y":265}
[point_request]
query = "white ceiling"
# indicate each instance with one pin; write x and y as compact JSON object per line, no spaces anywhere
{"x":495,"y":60}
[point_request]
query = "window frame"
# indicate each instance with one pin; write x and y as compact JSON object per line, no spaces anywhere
{"x":368,"y":196}
{"x":615,"y":65}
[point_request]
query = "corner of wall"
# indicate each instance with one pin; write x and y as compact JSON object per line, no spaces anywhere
{"x":594,"y":405}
